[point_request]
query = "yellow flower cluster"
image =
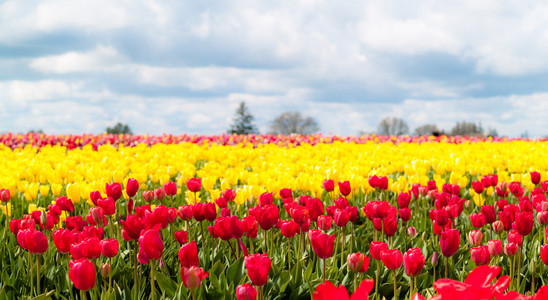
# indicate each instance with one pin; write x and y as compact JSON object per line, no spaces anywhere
{"x":251,"y":170}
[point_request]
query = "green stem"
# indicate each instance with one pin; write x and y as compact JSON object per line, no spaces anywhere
{"x":377,"y":279}
{"x":152,"y":288}
{"x":343,"y":238}
{"x":446,"y":266}
{"x":30,"y":269}
{"x":83,"y":295}
{"x":323,"y":270}
{"x":37,"y":275}
{"x":395,"y":285}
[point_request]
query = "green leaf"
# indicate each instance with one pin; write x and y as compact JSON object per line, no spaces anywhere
{"x":234,"y":272}
{"x":166,"y":284}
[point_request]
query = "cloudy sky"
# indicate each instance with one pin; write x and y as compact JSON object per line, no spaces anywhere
{"x":172,"y":66}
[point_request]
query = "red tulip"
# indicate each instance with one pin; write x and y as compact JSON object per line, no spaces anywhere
{"x":185,"y":212}
{"x":524,"y":223}
{"x":341,"y":217}
{"x":289,"y":228}
{"x":109,"y":247}
{"x":258,"y":266}
{"x":194,"y":184}
{"x":108,"y":205}
{"x":477,"y":285}
{"x":151,"y":245}
{"x":221,"y":202}
{"x":480,"y":255}
{"x":495,"y":247}
{"x":322,"y":244}
{"x":93,"y":247}
{"x":488,"y":212}
{"x":159,"y":193}
{"x":477,"y":219}
{"x":132,"y":187}
{"x":498,"y":226}
{"x":544,"y":253}
{"x":535,"y":177}
{"x":94,"y":196}
{"x":246,"y":292}
{"x":324,"y":222}
{"x":192,"y":277}
{"x":478,"y":187}
{"x":392,"y":258}
{"x":315,"y":208}
{"x":329,"y":185}
{"x":515,"y":237}
{"x":171,"y":188}
{"x":210,"y":211}
{"x":82,"y":274}
{"x":510,"y":249}
{"x":265,"y":199}
{"x":249,"y":226}
{"x":405,"y":214}
{"x":449,"y":242}
{"x":114,"y":190}
{"x":413,"y":262}
{"x":34,"y":241}
{"x":268,"y":216}
{"x":63,"y":238}
{"x":188,"y":255}
{"x":376,"y":249}
{"x":229,"y":195}
{"x":403,"y":199}
{"x":390,"y":226}
{"x":181,"y":236}
{"x":131,"y":227}
{"x":286,"y":193}
{"x":327,"y":291}
{"x":344,"y":188}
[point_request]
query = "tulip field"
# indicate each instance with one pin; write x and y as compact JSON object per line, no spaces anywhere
{"x":272,"y":217}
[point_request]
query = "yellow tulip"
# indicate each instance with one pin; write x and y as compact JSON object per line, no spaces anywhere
{"x":73,"y":192}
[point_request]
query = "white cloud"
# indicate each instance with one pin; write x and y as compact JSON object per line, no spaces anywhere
{"x":102,"y":58}
{"x":17,"y":91}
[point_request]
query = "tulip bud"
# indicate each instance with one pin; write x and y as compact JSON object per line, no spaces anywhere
{"x":434,"y":259}
{"x":246,"y":292}
{"x":5,"y":195}
{"x":498,"y":226}
{"x":475,"y":237}
{"x":355,"y":261}
{"x":411,"y":231}
{"x":161,"y":264}
{"x":467,"y":204}
{"x":494,"y":247}
{"x":105,"y":270}
{"x":43,"y":218}
{"x":542,"y":217}
{"x":532,"y":266}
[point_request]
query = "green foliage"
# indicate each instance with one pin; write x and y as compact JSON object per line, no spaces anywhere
{"x":119,"y":128}
{"x":243,"y":121}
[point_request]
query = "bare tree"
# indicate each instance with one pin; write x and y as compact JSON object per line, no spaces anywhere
{"x":426,"y":129}
{"x":392,"y":126}
{"x":293,"y":122}
{"x":467,"y":128}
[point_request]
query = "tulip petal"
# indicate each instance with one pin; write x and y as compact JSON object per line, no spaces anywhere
{"x":362,"y":292}
{"x":482,"y":275}
{"x":327,"y":291}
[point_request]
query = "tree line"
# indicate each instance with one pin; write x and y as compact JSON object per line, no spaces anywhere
{"x":293,"y":122}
